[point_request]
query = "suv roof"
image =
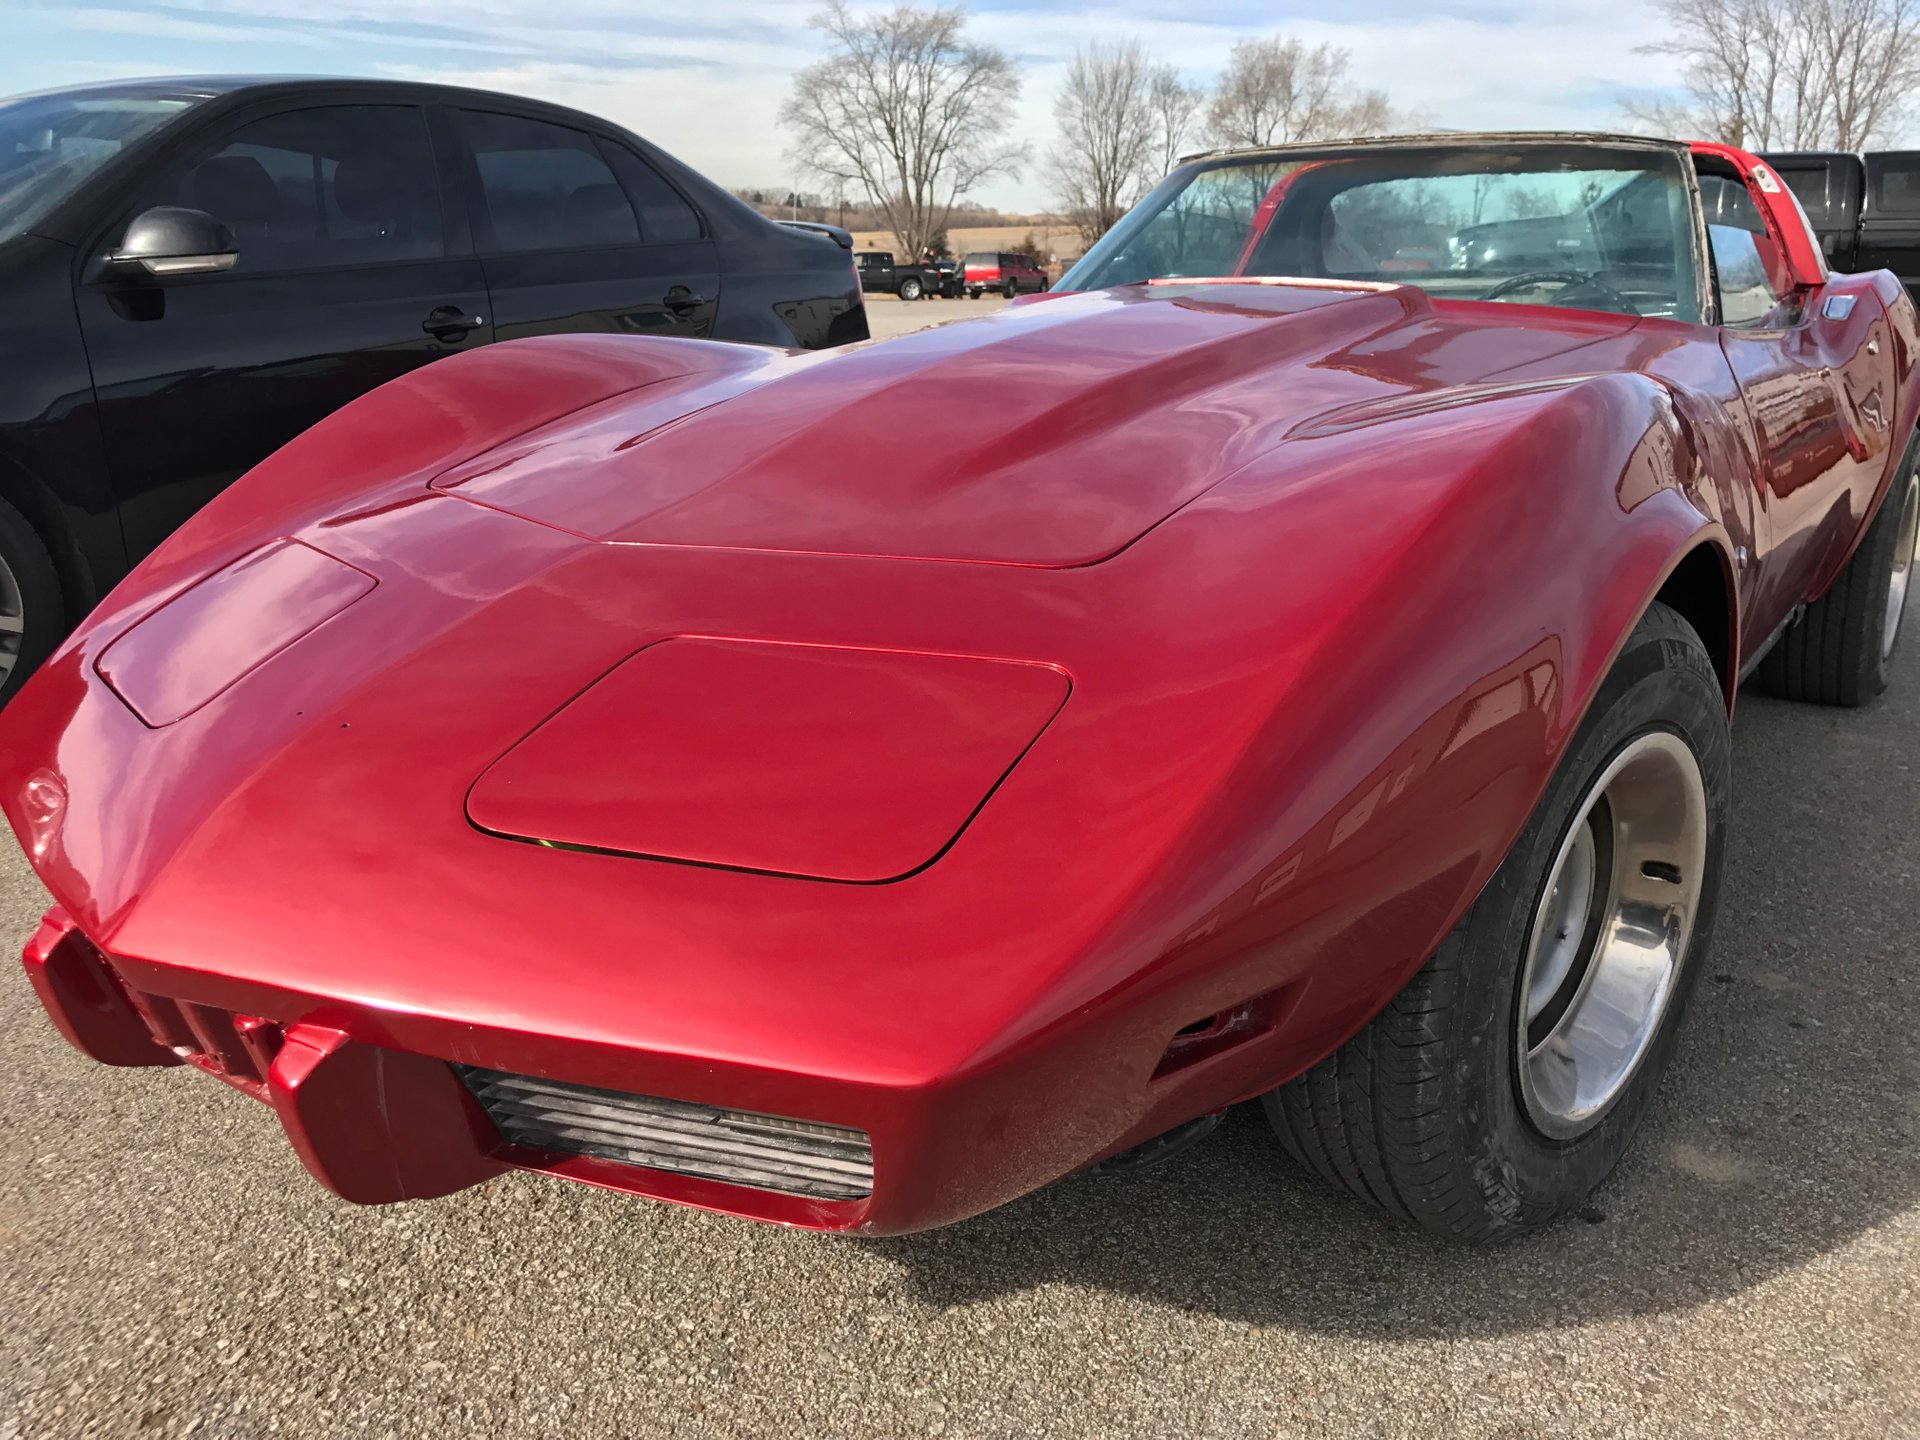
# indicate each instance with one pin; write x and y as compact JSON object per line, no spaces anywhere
{"x":1491,"y":138}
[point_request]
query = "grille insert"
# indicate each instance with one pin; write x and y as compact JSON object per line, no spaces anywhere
{"x":765,"y":1152}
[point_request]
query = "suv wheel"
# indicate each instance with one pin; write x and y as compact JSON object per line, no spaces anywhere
{"x":31,"y":609}
{"x":910,"y":288}
{"x":1010,"y":289}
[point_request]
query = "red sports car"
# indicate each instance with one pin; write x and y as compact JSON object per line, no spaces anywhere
{"x":643,"y":761}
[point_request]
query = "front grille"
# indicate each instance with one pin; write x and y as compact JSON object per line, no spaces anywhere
{"x":766,"y":1152}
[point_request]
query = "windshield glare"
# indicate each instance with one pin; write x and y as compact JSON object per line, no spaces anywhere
{"x":50,"y":143}
{"x":1584,"y":227}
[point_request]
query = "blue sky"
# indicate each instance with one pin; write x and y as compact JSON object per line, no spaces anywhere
{"x":705,"y":78}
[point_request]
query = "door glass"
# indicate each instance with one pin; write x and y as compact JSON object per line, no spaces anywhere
{"x":547,"y":187}
{"x":337,"y":185}
{"x":1749,"y":273}
{"x":1896,"y":185}
{"x":664,"y":217}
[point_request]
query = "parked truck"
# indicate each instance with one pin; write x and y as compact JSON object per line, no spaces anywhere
{"x":1865,"y":208}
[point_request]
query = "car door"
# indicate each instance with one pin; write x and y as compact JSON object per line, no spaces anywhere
{"x":579,"y":233}
{"x":345,"y":278}
{"x":1815,"y":369}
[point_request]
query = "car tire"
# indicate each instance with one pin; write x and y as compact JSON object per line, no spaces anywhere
{"x":1010,"y":289}
{"x":910,"y":289}
{"x":32,"y":609}
{"x":1841,"y":650}
{"x":974,"y":293}
{"x":1475,"y":1104}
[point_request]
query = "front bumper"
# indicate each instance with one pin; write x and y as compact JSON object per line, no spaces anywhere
{"x":377,"y":1121}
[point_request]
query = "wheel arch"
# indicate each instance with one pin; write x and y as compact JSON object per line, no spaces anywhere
{"x":1700,"y":588}
{"x":28,"y":494}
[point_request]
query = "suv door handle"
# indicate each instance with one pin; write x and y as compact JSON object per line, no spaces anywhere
{"x":681,"y":298}
{"x":450,"y":323}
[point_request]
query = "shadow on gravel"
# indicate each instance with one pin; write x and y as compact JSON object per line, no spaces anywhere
{"x":1786,"y":1128}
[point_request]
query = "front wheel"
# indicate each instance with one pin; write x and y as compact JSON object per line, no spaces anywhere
{"x":1506,"y":1080}
{"x":1841,"y":651}
{"x":909,"y":289}
{"x":32,"y":613}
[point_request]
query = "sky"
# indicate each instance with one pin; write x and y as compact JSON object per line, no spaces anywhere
{"x":704,"y":79}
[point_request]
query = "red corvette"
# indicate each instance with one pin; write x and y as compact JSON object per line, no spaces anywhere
{"x":644,"y":761}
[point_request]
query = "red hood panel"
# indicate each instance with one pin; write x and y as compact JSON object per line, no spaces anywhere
{"x":1051,"y":435}
{"x":835,"y":764}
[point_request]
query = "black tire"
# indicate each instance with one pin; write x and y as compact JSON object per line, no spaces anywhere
{"x":1010,"y":289}
{"x":910,"y":289}
{"x":1422,"y":1112}
{"x":30,"y":599}
{"x":1841,"y":650}
{"x":974,"y":293}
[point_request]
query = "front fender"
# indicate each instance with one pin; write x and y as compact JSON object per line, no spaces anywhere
{"x":1454,"y":581}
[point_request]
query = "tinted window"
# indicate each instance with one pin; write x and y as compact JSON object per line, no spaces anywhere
{"x":664,"y":216}
{"x":338,"y":185}
{"x":1896,"y":184}
{"x":980,"y":257}
{"x":1809,"y":183}
{"x":547,"y":187}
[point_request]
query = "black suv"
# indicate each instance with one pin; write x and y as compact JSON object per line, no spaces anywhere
{"x":194,"y":271}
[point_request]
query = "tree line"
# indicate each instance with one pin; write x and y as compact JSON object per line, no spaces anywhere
{"x":908,"y":112}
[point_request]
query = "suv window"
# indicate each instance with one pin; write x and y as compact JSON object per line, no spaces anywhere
{"x":335,"y":185}
{"x":1896,"y":184}
{"x":547,"y":187}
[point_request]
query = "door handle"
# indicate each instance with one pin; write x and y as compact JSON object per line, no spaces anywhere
{"x":681,"y":298}
{"x":450,"y":323}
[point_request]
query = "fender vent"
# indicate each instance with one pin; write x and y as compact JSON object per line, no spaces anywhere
{"x":765,"y":1152}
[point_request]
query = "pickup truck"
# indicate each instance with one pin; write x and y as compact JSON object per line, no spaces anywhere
{"x":880,"y":272}
{"x":1864,"y":208}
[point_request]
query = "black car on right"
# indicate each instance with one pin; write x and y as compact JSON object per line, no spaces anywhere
{"x":1865,"y":208}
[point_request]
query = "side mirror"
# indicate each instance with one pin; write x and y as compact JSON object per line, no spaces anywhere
{"x":170,"y":240}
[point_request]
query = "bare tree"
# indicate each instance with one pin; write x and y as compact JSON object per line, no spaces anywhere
{"x":1176,"y":107}
{"x":1104,"y":124}
{"x":1279,"y":90}
{"x":1787,"y":74}
{"x":906,"y":111}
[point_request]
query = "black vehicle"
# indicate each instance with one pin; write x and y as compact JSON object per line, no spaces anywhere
{"x":879,"y":271}
{"x":1865,"y":208}
{"x":194,"y":271}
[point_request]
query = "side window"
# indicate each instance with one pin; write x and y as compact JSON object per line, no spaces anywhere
{"x":1896,"y":184}
{"x":546,"y":186}
{"x":335,"y":185}
{"x":1749,"y":273}
{"x":664,"y":217}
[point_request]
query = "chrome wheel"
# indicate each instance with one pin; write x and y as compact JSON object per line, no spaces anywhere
{"x":1904,"y":541}
{"x":1610,"y":933}
{"x":13,"y":621}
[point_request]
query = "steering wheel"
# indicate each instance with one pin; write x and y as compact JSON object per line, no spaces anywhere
{"x":1566,"y":280}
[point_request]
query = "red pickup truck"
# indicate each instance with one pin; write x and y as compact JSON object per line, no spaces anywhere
{"x":1008,"y":273}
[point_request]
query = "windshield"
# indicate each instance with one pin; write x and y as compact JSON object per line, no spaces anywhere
{"x":1582,"y":226}
{"x":50,"y":143}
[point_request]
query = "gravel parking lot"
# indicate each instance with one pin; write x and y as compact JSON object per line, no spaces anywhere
{"x":167,"y":1268}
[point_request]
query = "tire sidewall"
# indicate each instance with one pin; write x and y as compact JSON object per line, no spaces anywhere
{"x":1662,"y":680}
{"x":26,"y":557}
{"x":1879,"y":549}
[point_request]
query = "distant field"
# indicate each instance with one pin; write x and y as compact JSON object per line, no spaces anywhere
{"x":1058,"y":242}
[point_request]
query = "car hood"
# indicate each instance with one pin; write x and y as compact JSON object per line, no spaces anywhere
{"x":1052,"y":434}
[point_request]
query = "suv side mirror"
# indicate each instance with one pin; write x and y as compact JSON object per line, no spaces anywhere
{"x":171,"y":240}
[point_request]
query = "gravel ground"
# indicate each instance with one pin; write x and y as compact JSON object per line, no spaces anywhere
{"x":167,"y":1268}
